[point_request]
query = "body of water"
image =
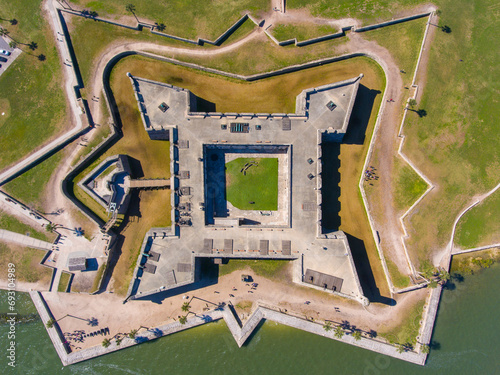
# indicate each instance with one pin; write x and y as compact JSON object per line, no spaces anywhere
{"x":466,"y":340}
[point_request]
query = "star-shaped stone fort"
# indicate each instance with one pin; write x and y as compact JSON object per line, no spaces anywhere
{"x":222,"y":208}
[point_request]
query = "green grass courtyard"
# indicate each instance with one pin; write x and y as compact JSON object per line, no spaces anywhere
{"x":252,"y":183}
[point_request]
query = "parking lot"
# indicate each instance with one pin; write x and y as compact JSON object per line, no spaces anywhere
{"x":4,"y":45}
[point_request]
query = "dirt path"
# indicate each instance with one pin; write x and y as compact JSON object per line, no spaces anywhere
{"x":386,"y":145}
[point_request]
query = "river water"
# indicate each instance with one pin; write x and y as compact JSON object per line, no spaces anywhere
{"x":466,"y":340}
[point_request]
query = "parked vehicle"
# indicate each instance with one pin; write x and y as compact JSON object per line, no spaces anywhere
{"x":3,"y":59}
{"x":4,"y":52}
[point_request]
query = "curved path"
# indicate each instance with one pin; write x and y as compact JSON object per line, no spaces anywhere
{"x":445,"y":261}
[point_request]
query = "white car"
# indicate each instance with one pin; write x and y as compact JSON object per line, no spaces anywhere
{"x":4,"y":52}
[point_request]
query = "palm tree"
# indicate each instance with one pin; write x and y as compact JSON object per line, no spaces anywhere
{"x":12,"y":44}
{"x":339,"y":332}
{"x":185,"y":307}
{"x":400,"y":348}
{"x":50,"y":323}
{"x":131,"y":8}
{"x":444,"y":276}
{"x":105,"y":343}
{"x":4,"y":32}
{"x":328,"y":326}
{"x":433,"y":284}
{"x":183,"y":319}
{"x":132,"y":334}
{"x":357,"y":335}
{"x":50,"y":227}
{"x":412,"y":103}
{"x":425,"y":349}
{"x":118,"y":341}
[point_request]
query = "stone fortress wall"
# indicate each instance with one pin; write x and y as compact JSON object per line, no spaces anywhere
{"x":268,"y":30}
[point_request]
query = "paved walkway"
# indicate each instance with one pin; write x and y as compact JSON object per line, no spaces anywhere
{"x":149,"y":183}
{"x":21,"y":239}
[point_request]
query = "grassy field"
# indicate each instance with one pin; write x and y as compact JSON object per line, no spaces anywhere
{"x":11,"y":223}
{"x":301,"y":31}
{"x":27,"y":263}
{"x":258,"y":183}
{"x":481,"y":225}
{"x":30,"y":186}
{"x":407,"y":330}
{"x":398,"y":279}
{"x":272,"y":95}
{"x":403,"y":41}
{"x":456,"y":144}
{"x":408,"y":187}
{"x":261,"y":56}
{"x":271,"y":269}
{"x":185,"y":18}
{"x":97,"y":279}
{"x":63,"y":282}
{"x":367,"y":11}
{"x":154,"y":212}
{"x":32,"y":96}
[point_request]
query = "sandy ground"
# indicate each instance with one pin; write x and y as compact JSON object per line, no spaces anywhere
{"x":74,"y":311}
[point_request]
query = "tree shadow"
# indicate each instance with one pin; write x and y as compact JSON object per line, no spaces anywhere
{"x":446,"y":29}
{"x":360,"y":117}
{"x":434,"y":345}
{"x":420,"y":112}
{"x":365,"y":273}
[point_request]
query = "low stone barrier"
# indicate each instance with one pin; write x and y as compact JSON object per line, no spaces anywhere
{"x":392,"y":22}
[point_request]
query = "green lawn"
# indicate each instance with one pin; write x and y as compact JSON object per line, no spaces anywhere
{"x":368,"y":11}
{"x":184,"y":18}
{"x":398,"y":279}
{"x":252,"y":183}
{"x":481,"y":225}
{"x":272,"y":269}
{"x":409,"y":186}
{"x":403,"y":41}
{"x":301,"y":31}
{"x":30,"y":186}
{"x":31,"y":96}
{"x":11,"y":223}
{"x":27,"y":263}
{"x":407,"y":331}
{"x":259,"y":56}
{"x":456,"y":143}
{"x":63,"y":282}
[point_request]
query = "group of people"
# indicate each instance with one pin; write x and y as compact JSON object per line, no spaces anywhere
{"x":370,"y":174}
